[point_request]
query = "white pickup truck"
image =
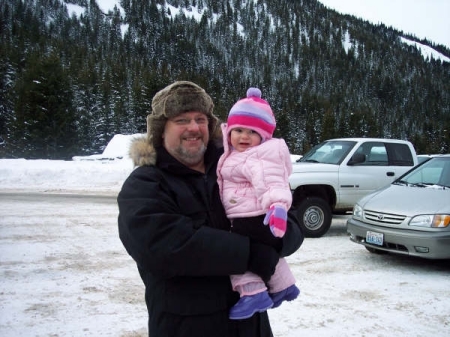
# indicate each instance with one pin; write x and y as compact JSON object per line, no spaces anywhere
{"x":331,"y":177}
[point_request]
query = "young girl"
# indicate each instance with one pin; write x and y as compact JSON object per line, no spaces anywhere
{"x":253,"y":180}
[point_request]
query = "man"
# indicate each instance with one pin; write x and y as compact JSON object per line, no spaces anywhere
{"x":172,"y":222}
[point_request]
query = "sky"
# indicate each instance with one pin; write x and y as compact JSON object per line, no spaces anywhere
{"x":422,"y":18}
{"x":64,"y":271}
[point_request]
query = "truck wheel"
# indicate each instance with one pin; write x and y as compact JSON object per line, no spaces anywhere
{"x":314,"y":216}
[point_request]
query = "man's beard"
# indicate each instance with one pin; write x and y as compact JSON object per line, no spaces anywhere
{"x":191,"y":157}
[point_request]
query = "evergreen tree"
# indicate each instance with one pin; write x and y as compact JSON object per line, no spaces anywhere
{"x":45,"y":118}
{"x":109,"y":66}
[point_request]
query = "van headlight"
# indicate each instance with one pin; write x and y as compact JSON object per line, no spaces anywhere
{"x":431,"y":220}
{"x":357,"y":211}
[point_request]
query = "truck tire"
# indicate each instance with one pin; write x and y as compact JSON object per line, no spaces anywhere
{"x":314,"y":216}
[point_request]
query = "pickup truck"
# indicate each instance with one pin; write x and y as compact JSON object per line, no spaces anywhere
{"x":331,"y":177}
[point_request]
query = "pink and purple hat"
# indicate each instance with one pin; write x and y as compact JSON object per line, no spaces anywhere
{"x":252,"y":113}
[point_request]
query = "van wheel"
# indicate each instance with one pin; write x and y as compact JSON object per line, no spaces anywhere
{"x":314,"y":216}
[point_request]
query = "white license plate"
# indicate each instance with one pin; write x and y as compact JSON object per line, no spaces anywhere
{"x":374,"y":238}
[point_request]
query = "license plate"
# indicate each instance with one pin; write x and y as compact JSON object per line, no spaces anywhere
{"x":374,"y":238}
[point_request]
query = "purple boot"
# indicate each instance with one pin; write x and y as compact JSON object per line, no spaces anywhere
{"x":248,"y":305}
{"x":288,"y":294}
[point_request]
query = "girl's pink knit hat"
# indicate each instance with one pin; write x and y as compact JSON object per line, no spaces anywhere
{"x":252,"y":113}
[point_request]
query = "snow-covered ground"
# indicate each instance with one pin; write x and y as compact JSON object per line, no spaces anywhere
{"x":98,"y":173}
{"x":64,"y":271}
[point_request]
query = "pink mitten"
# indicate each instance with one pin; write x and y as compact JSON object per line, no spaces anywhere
{"x":276,"y":218}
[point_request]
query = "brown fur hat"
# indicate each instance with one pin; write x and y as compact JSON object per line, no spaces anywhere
{"x":176,"y":98}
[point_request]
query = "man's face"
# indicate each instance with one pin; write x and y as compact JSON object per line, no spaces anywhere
{"x":186,"y":136}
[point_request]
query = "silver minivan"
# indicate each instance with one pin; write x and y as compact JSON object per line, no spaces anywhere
{"x":411,"y":216}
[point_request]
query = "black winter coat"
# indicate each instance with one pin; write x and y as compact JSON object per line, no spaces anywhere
{"x":172,"y":223}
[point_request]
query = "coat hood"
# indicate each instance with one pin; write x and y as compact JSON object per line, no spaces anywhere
{"x":142,"y":152}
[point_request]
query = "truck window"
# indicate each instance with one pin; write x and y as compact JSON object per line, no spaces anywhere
{"x":399,"y":154}
{"x":378,"y":156}
{"x":375,"y":152}
{"x":386,"y":154}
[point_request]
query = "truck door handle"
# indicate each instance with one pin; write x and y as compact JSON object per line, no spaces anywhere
{"x":390,"y":174}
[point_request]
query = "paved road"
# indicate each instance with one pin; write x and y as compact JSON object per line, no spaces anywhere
{"x":56,"y":197}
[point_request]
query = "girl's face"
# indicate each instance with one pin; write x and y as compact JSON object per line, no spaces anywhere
{"x":242,"y":138}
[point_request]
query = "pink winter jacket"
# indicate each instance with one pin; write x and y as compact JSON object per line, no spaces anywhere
{"x":252,"y":181}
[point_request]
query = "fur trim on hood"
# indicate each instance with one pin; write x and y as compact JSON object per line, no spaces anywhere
{"x":142,"y":152}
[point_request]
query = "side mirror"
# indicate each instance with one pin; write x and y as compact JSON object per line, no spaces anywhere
{"x":357,"y":158}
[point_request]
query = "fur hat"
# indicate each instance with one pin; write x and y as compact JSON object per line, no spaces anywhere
{"x":176,"y":98}
{"x":252,"y":113}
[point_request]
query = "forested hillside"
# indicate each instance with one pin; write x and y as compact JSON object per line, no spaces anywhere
{"x":70,"y":81}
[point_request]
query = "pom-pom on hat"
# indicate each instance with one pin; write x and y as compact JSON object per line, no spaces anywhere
{"x":252,"y":113}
